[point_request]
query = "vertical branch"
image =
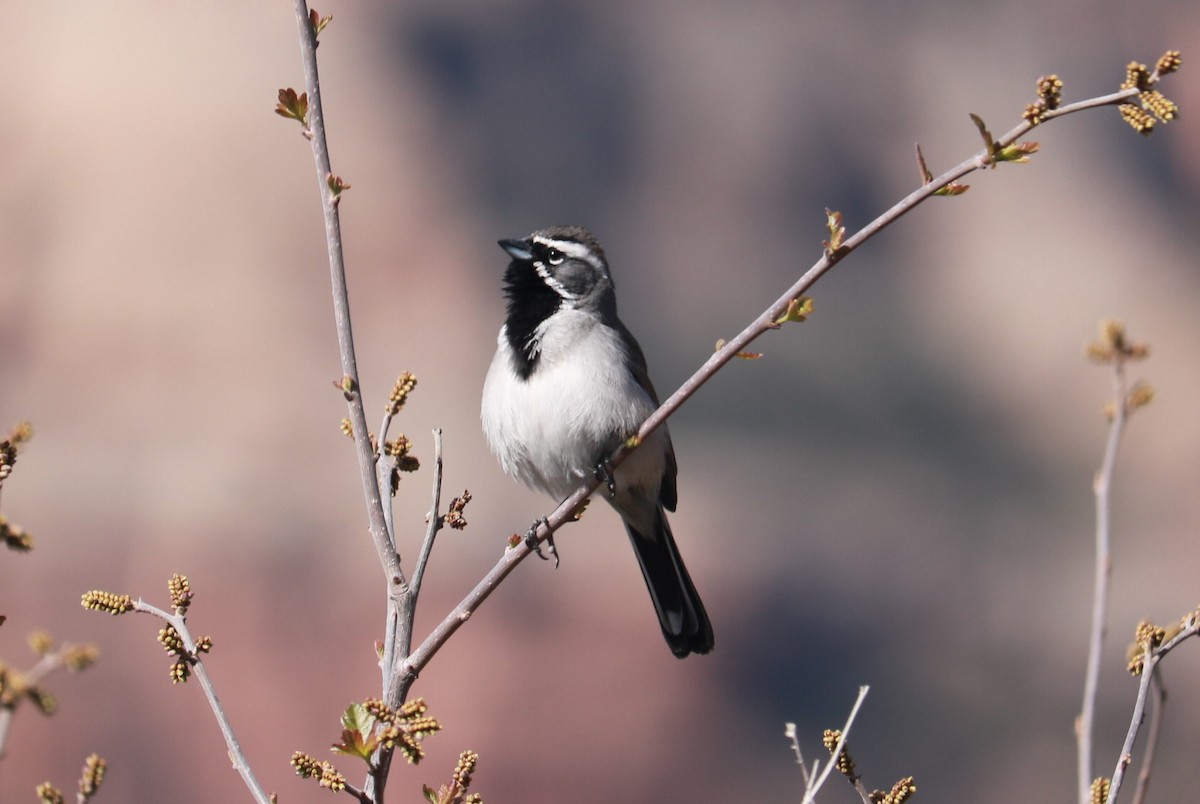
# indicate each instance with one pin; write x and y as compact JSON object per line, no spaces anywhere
{"x":398,"y":675}
{"x":435,"y":521}
{"x":399,"y":607}
{"x":341,"y":303}
{"x":398,"y":641}
{"x":6,"y":718}
{"x":1085,"y":725}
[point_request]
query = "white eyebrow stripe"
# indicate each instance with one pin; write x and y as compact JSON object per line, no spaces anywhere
{"x":569,"y":247}
{"x":572,"y":249}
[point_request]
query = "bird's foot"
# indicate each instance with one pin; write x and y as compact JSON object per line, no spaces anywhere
{"x":531,"y":541}
{"x":604,"y":474}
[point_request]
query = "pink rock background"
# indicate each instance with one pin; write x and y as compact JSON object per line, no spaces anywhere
{"x":898,"y":493}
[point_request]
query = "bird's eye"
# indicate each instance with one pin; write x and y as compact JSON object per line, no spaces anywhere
{"x":554,"y":256}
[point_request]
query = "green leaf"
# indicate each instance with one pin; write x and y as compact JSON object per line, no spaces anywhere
{"x":1017,"y":152}
{"x":358,"y":739}
{"x":952,"y":189}
{"x":798,"y":310}
{"x":357,"y":718}
{"x":837,"y":232}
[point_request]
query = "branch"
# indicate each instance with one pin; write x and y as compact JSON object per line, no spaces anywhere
{"x":400,"y":605}
{"x":1156,"y":716}
{"x":399,"y":668}
{"x":6,"y":719}
{"x":769,"y":319}
{"x":72,"y":657}
{"x":789,"y":731}
{"x":236,"y":755}
{"x":781,"y":310}
{"x":1115,"y":349}
{"x":1152,"y":655}
{"x":810,"y":791}
{"x":341,"y":302}
{"x":435,"y":516}
{"x":1085,"y":725}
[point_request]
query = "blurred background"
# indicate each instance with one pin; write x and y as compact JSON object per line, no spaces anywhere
{"x":898,"y":493}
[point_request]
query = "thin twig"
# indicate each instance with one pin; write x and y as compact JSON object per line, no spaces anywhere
{"x":1101,"y":486}
{"x":862,"y":793}
{"x":341,"y":303}
{"x":1191,"y":626}
{"x":6,"y":719}
{"x":400,"y":642}
{"x":357,"y":793}
{"x":435,"y":517}
{"x":236,"y":756}
{"x":44,"y":666}
{"x":766,"y":322}
{"x":794,"y":741}
{"x":386,"y":424}
{"x":811,"y":791}
{"x":384,"y":465}
{"x":398,"y":677}
{"x":1156,"y":717}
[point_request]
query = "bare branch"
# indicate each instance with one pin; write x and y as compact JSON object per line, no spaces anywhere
{"x":794,"y":741}
{"x":73,"y":657}
{"x":434,"y":519}
{"x":767,"y":321}
{"x":1085,"y":725}
{"x":236,"y":755}
{"x":402,"y":610}
{"x":810,"y":791}
{"x":1153,"y":655}
{"x":399,"y":667}
{"x":341,"y":303}
{"x":1156,"y":717}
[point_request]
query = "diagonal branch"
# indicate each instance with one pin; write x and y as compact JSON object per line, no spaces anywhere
{"x":810,"y":791}
{"x":767,"y":321}
{"x":1156,"y":717}
{"x":236,"y":755}
{"x":399,"y":668}
{"x":1189,"y":627}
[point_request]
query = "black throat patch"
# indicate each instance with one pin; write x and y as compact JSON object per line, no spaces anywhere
{"x":530,"y":302}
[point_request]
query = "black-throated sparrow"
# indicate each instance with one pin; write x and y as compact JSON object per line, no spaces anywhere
{"x":567,"y":386}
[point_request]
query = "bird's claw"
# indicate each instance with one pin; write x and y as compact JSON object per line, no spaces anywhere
{"x":604,"y":474}
{"x":531,"y":541}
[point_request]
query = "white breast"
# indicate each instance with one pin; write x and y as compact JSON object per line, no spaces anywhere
{"x":578,"y":404}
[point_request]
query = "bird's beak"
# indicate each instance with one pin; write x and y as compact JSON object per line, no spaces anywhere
{"x":517,"y":249}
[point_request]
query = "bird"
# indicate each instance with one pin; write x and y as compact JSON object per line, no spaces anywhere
{"x":569,"y":384}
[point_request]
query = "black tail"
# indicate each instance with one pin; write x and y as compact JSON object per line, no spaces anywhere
{"x":684,"y":622}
